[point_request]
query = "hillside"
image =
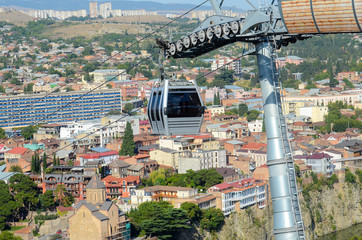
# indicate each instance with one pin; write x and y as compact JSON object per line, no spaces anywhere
{"x":136,"y":19}
{"x":91,"y":30}
{"x":327,"y":211}
{"x":15,"y":17}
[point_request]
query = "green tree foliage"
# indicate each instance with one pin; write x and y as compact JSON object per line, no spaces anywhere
{"x":8,"y":205}
{"x":44,"y":161}
{"x":28,"y":132}
{"x":2,"y":133}
{"x":349,"y":176}
{"x":359,"y":174}
{"x":15,"y":168}
{"x":2,"y":89}
{"x":15,"y":81}
{"x":200,"y":79}
{"x":128,"y":145}
{"x":47,"y":201}
{"x":225,"y":77}
{"x":348,"y":83}
{"x":158,"y":219}
{"x":252,"y":115}
{"x":193,"y":211}
{"x":24,"y":189}
{"x":8,"y":236}
{"x":216,"y":99}
{"x":28,"y":88}
{"x":340,"y":122}
{"x":203,"y":179}
{"x":128,"y":107}
{"x":333,"y":82}
{"x":212,"y":219}
{"x":243,"y":109}
{"x":114,"y":112}
{"x":54,"y":160}
{"x":63,"y":197}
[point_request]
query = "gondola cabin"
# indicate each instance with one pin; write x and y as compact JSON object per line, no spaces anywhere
{"x":175,"y":108}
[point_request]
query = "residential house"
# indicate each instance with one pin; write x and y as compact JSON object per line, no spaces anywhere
{"x":320,"y":163}
{"x":175,"y":195}
{"x":18,"y":156}
{"x":120,"y":187}
{"x":118,"y":168}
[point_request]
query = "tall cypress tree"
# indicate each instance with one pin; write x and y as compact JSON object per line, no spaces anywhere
{"x":33,"y":164}
{"x":58,"y":161}
{"x":44,"y":161}
{"x":54,"y":160}
{"x":128,"y":145}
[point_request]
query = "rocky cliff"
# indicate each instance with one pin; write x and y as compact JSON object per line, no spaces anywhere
{"x":324,"y":211}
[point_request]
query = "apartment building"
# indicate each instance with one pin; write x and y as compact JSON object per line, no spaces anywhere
{"x":22,"y":110}
{"x":201,"y":160}
{"x":231,"y":197}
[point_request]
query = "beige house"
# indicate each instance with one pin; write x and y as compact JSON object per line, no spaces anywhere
{"x":165,"y":156}
{"x":316,"y":113}
{"x":174,"y":195}
{"x":96,"y":218}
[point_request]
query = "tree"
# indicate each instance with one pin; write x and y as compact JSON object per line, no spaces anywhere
{"x":28,"y":132}
{"x":15,"y":168}
{"x":203,"y":179}
{"x":33,"y":164}
{"x":158,"y":219}
{"x":243,"y":109}
{"x":2,"y":89}
{"x":224,"y":78}
{"x":45,"y":165}
{"x":128,"y":145}
{"x":47,"y":200}
{"x":252,"y":115}
{"x":7,"y":205}
{"x":2,"y":133}
{"x":128,"y":107}
{"x":54,"y":160}
{"x":217,"y":98}
{"x":349,"y":176}
{"x":63,"y":196}
{"x":58,"y":161}
{"x":8,"y":236}
{"x":333,"y":82}
{"x":193,"y":211}
{"x":25,"y":190}
{"x":212,"y":219}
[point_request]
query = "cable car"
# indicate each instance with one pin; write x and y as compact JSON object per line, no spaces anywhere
{"x":175,"y":108}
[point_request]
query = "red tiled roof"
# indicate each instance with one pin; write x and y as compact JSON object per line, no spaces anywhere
{"x":98,"y":155}
{"x":142,"y":156}
{"x":222,"y":186}
{"x":254,"y":145}
{"x":18,"y":150}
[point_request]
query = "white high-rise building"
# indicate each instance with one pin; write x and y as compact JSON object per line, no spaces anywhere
{"x":105,"y":10}
{"x":93,"y":9}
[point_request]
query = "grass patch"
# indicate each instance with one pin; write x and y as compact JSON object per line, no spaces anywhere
{"x":15,"y":228}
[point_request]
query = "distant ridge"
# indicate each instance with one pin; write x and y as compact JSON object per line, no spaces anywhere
{"x":15,"y":17}
{"x":72,"y":5}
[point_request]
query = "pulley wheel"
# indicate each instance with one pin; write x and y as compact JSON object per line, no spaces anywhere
{"x":210,"y":33}
{"x":235,"y":27}
{"x":218,"y":31}
{"x":201,"y":35}
{"x":226,"y":29}
{"x":172,"y":49}
{"x":193,"y":38}
{"x":179,"y":46}
{"x":186,"y":41}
